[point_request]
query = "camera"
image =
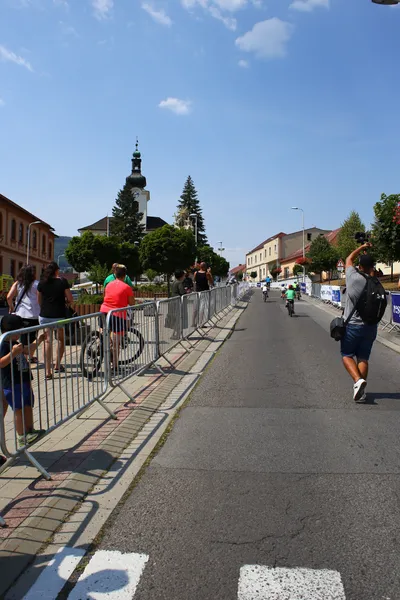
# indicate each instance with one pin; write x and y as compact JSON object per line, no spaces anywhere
{"x":362,"y":237}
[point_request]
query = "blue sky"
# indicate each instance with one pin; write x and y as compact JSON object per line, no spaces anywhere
{"x":265,"y":103}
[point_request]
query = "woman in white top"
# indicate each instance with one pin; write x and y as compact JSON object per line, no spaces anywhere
{"x":23,"y":300}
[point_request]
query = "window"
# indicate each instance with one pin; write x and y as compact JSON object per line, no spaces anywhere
{"x":12,"y":268}
{"x":21,"y":233}
{"x":34,"y":241}
{"x":309,"y":236}
{"x":20,"y":265}
{"x":13,"y":230}
{"x":264,"y":271}
{"x":265,"y":253}
{"x":260,"y":256}
{"x":50,"y":251}
{"x":269,"y":251}
{"x":286,"y":272}
{"x":34,"y":271}
{"x":275,"y":248}
{"x":248,"y":260}
{"x":43,"y":244}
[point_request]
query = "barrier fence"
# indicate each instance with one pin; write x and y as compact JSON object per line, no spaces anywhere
{"x":59,"y":370}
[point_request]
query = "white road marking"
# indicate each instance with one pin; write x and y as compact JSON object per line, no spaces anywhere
{"x":257,"y":582}
{"x":110,"y":575}
{"x":56,"y":574}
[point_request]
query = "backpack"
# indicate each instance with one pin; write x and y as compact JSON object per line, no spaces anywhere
{"x":372,"y":303}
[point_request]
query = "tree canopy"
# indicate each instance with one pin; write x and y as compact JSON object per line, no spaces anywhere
{"x":219,"y":265}
{"x":322,"y":254}
{"x":385,"y":229}
{"x":126,"y":223}
{"x":189,"y":204}
{"x":346,"y":242}
{"x":167,"y":249}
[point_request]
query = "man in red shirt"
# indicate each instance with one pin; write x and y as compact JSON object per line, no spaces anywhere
{"x":117,"y":295}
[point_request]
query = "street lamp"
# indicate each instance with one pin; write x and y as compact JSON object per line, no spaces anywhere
{"x":29,"y":239}
{"x":58,"y":259}
{"x":304,"y":241}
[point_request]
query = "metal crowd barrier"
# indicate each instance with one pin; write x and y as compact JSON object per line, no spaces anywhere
{"x":62,"y":368}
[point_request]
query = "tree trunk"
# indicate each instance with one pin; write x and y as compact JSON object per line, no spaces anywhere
{"x":168,"y":286}
{"x":391,"y":270}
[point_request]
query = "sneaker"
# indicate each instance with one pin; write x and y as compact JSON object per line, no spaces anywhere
{"x":363,"y":397}
{"x":30,"y":438}
{"x":359,"y":389}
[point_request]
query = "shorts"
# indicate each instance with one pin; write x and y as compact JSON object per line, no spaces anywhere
{"x":117,"y":325}
{"x":23,"y":396}
{"x":29,"y":337}
{"x":48,"y":320}
{"x":358,"y":341}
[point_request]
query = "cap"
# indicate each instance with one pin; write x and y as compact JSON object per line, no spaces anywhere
{"x":11,"y":323}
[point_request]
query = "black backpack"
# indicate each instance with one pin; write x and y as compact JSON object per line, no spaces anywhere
{"x":372,"y":303}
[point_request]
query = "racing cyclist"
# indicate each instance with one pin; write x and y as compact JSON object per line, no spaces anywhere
{"x":290,"y":296}
{"x":265,"y":291}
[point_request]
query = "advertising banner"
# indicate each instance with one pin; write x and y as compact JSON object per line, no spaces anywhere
{"x":303,"y":287}
{"x":396,"y":308}
{"x":330,"y":293}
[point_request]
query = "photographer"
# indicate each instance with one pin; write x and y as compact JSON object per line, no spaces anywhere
{"x":365,"y":306}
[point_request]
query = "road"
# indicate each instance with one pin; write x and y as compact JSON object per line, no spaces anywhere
{"x":271,"y":464}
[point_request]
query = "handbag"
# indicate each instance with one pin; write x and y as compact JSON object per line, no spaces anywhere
{"x":19,"y":301}
{"x":338,"y":325}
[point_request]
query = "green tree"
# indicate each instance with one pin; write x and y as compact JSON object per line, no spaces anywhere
{"x":189,"y":204}
{"x":126,"y":223}
{"x":253,"y":274}
{"x":323,"y":256}
{"x":80,"y":251}
{"x":219,"y":265}
{"x":167,"y":249}
{"x":98,"y":274}
{"x":346,"y":242}
{"x":386,"y":230}
{"x":151,"y":274}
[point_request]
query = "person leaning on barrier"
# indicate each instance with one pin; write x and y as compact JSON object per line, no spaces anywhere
{"x":177,"y":290}
{"x":117,"y":294}
{"x":16,"y":379}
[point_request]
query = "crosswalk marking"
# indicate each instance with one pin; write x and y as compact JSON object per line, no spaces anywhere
{"x":110,"y":575}
{"x":257,"y":582}
{"x":56,"y":574}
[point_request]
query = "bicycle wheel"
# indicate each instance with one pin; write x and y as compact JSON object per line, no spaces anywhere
{"x":291,"y":309}
{"x":92,"y":354}
{"x":132,"y":348}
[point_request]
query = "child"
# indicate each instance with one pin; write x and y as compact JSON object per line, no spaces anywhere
{"x":16,"y":380}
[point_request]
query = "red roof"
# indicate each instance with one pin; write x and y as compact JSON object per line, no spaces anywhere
{"x":238,"y":269}
{"x":278,"y":235}
{"x":331,"y":237}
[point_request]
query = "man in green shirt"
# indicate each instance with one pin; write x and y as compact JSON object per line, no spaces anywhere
{"x":112,"y":277}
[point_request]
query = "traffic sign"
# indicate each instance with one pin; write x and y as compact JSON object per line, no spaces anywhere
{"x":340,"y":265}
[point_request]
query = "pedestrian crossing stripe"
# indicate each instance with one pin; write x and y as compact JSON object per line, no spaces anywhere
{"x":257,"y":582}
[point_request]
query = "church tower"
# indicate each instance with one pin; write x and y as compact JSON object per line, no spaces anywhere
{"x":137,"y":183}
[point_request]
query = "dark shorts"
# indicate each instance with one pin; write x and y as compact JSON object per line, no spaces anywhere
{"x":31,"y":337}
{"x":117,"y":324}
{"x":23,"y":396}
{"x":358,"y":341}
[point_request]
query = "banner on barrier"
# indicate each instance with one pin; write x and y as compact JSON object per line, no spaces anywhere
{"x":303,"y":287}
{"x":330,"y":293}
{"x":396,"y":308}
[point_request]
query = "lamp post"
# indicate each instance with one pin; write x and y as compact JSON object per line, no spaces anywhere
{"x":58,"y":259}
{"x":304,"y":240}
{"x":29,"y":239}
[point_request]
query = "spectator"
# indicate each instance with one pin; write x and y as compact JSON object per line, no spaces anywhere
{"x":112,"y":276}
{"x":22,"y":300}
{"x":53,"y":295}
{"x":173,"y":317}
{"x":203,"y":278}
{"x":16,"y":381}
{"x":118,"y":294}
{"x":188,"y":283}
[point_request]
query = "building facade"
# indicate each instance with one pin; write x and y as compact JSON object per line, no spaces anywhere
{"x":137,"y":182}
{"x":272,"y":252}
{"x":288,"y":263}
{"x":15,"y":223}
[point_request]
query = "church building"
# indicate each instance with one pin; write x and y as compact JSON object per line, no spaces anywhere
{"x":138,"y":183}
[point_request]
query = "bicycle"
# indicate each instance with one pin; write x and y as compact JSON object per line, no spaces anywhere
{"x":92,"y":353}
{"x":265,"y":295}
{"x":290,"y":307}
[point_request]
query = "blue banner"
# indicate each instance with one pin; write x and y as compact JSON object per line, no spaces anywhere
{"x":396,"y":308}
{"x":303,"y":287}
{"x":336,"y":295}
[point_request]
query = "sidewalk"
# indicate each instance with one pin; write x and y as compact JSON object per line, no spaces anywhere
{"x":90,"y":455}
{"x":390,"y":340}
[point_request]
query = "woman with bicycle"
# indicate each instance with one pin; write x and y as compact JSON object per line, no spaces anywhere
{"x":118,"y":294}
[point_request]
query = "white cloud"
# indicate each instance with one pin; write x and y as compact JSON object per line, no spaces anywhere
{"x":220,"y":9}
{"x":2,"y":103}
{"x":102,"y":8}
{"x":177,"y":106}
{"x":159,"y":16}
{"x":228,"y":21}
{"x":309,"y":5}
{"x":9,"y":56}
{"x":244,"y":64}
{"x":267,"y":39}
{"x":62,"y":3}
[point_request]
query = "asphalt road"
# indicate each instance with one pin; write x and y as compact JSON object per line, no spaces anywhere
{"x":271,"y":463}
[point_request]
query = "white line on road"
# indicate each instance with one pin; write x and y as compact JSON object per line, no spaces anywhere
{"x":110,"y":575}
{"x":56,"y":574}
{"x":257,"y":582}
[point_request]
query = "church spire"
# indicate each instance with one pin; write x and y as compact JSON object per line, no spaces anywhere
{"x":136,"y":179}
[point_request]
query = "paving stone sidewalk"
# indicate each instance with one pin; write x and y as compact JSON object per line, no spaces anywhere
{"x":84,"y":450}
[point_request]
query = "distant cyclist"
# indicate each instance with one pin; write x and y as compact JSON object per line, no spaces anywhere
{"x":290,"y":296}
{"x":265,"y":291}
{"x":297,"y":290}
{"x":283,"y":291}
{"x":268,"y":282}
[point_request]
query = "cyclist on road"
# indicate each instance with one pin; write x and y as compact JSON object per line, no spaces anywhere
{"x":265,"y":291}
{"x":297,"y":289}
{"x":290,"y":296}
{"x":268,"y":282}
{"x":117,"y":294}
{"x":283,"y":291}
